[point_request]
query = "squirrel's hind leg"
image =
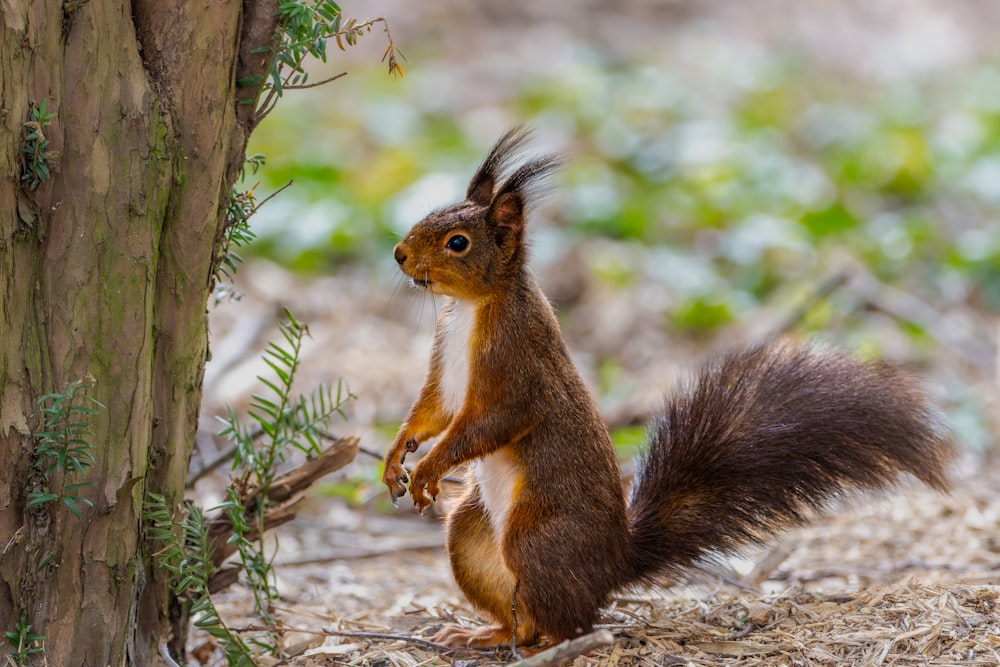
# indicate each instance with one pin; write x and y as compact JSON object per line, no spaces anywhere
{"x":481,"y":573}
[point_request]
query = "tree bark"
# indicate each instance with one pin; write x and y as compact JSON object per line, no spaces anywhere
{"x":105,"y":272}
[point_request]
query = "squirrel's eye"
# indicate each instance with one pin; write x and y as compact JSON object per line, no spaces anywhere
{"x":457,"y":243}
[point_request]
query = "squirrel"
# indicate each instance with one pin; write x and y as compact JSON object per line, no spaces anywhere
{"x":762,"y":438}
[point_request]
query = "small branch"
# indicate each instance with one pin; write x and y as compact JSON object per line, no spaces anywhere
{"x":275,"y":193}
{"x":435,"y":544}
{"x":313,"y":85}
{"x":947,"y":331}
{"x":766,"y":566}
{"x":295,"y":481}
{"x":229,"y":452}
{"x":220,"y":529}
{"x":272,"y":95}
{"x":15,"y":539}
{"x":260,"y":23}
{"x":222,"y":457}
{"x":567,"y":650}
{"x":344,"y":633}
{"x":271,"y":99}
{"x":371,"y":453}
{"x":267,"y":106}
{"x":824,"y":289}
{"x":223,"y":577}
{"x":210,"y":467}
{"x":285,"y":492}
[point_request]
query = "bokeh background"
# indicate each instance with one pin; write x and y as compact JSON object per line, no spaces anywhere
{"x":734,"y":170}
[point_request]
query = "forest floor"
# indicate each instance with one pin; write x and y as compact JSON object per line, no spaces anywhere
{"x":909,"y":577}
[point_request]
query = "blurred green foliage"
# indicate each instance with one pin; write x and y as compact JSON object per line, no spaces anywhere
{"x":733,"y":188}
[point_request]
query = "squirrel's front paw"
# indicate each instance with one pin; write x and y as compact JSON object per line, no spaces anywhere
{"x":421,"y":488}
{"x":395,"y":479}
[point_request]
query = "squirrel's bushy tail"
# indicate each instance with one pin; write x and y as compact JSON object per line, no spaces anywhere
{"x":763,"y":437}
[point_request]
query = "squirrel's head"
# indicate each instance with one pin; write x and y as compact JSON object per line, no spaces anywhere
{"x":469,"y":249}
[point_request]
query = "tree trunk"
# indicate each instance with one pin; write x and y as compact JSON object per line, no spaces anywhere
{"x":105,"y":272}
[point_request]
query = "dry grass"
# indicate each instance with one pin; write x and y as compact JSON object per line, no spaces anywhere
{"x":909,"y":579}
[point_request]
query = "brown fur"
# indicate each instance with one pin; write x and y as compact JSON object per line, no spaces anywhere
{"x":763,"y":435}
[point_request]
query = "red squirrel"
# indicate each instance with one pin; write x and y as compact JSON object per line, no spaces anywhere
{"x":543,"y":535}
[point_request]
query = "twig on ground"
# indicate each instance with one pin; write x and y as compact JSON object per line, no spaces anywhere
{"x":766,"y":566}
{"x":567,"y":650}
{"x":435,"y":544}
{"x":346,"y":633}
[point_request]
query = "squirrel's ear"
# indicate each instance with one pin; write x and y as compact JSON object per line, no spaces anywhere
{"x":506,"y":215}
{"x":483,"y":184}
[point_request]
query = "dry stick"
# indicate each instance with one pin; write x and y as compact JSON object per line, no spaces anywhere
{"x":211,"y":466}
{"x":887,"y":573}
{"x":766,"y":566}
{"x":567,"y":650}
{"x":425,"y":545}
{"x":313,"y":85}
{"x":904,"y":306}
{"x":901,"y":306}
{"x":214,"y":464}
{"x":822,"y":290}
{"x":289,"y":183}
{"x":826,"y":287}
{"x":286,"y":491}
{"x":345,"y":633}
{"x":229,"y":452}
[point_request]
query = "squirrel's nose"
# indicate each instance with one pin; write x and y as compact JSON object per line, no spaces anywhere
{"x":399,"y":254}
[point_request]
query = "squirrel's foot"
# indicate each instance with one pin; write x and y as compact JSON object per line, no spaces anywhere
{"x":457,"y":636}
{"x":496,"y":635}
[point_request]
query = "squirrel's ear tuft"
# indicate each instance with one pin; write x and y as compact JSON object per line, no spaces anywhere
{"x":506,"y":215}
{"x":483,"y":184}
{"x":528,"y":180}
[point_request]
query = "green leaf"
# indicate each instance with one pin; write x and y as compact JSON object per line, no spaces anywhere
{"x":38,"y":498}
{"x":279,"y":391}
{"x":78,"y":485}
{"x":832,"y":220}
{"x":70,"y":502}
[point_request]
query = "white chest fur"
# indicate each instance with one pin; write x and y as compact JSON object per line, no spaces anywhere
{"x":456,"y":328}
{"x":497,"y":476}
{"x":498,"y":480}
